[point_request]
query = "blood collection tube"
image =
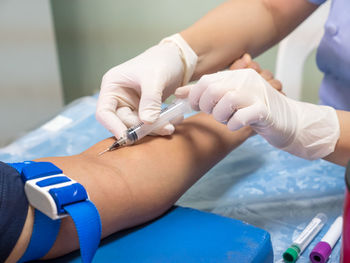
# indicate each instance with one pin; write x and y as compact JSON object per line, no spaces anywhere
{"x":323,"y":249}
{"x":303,"y":240}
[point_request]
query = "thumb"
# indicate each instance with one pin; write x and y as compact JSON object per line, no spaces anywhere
{"x":150,"y":101}
{"x":183,"y":92}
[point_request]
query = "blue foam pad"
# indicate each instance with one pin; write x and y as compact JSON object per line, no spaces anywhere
{"x":185,"y":235}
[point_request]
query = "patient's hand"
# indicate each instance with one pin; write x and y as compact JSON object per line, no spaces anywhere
{"x":246,"y":62}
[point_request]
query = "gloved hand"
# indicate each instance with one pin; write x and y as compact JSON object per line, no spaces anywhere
{"x":242,"y":97}
{"x":134,"y":90}
{"x":246,"y":61}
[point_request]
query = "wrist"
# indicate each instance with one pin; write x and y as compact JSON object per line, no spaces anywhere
{"x":203,"y":49}
{"x":187,"y":55}
{"x":317,"y":131}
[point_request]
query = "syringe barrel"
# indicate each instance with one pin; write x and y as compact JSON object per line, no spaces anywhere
{"x":311,"y":230}
{"x":176,"y":109}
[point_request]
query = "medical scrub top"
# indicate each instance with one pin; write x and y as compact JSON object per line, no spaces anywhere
{"x":333,"y":56}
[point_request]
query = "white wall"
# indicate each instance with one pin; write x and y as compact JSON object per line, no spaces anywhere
{"x":30,"y":90}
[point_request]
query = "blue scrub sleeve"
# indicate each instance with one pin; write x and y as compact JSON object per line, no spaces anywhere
{"x":13,"y":209}
{"x":317,"y":2}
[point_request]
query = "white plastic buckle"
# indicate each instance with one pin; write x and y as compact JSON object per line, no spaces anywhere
{"x":40,"y":198}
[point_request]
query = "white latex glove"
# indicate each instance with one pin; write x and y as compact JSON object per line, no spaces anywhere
{"x":134,"y":90}
{"x":242,"y":97}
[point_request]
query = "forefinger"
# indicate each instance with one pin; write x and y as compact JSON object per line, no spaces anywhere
{"x":106,"y":114}
{"x":197,"y":91}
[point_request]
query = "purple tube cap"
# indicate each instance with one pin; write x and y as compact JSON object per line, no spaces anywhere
{"x":320,"y":253}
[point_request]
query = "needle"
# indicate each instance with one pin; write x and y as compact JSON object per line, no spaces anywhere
{"x":104,"y":151}
{"x":137,"y":132}
{"x":114,"y":146}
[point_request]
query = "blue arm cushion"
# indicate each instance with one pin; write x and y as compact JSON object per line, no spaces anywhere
{"x":185,"y":235}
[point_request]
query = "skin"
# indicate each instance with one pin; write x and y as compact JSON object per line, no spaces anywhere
{"x":242,"y":26}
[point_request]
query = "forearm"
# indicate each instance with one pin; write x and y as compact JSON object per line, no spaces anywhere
{"x":134,"y":184}
{"x":239,"y":26}
{"x":341,"y":154}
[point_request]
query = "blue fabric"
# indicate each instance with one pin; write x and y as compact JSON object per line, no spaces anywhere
{"x":88,"y":225}
{"x":333,"y":57}
{"x":317,"y":2}
{"x":43,"y":237}
{"x":13,"y":209}
{"x":186,"y":235}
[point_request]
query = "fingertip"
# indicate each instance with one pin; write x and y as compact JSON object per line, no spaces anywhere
{"x":169,"y":128}
{"x":247,"y":59}
{"x":252,"y":114}
{"x":195,"y":107}
{"x":180,"y":93}
{"x":238,"y":64}
{"x":234,"y":124}
{"x":177,"y":120}
{"x":226,"y":107}
{"x":166,"y":130}
{"x":242,"y":62}
{"x":266,"y":74}
{"x":193,"y":100}
{"x":254,"y":65}
{"x":276,"y":84}
{"x":116,"y":133}
{"x":114,"y":126}
{"x":150,"y":102}
{"x":183,"y":92}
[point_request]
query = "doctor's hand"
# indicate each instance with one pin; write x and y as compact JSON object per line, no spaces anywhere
{"x":243,"y":98}
{"x":134,"y":91}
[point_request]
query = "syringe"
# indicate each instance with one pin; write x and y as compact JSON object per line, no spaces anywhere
{"x":133,"y":134}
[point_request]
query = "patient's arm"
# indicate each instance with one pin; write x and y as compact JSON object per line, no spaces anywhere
{"x":134,"y":184}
